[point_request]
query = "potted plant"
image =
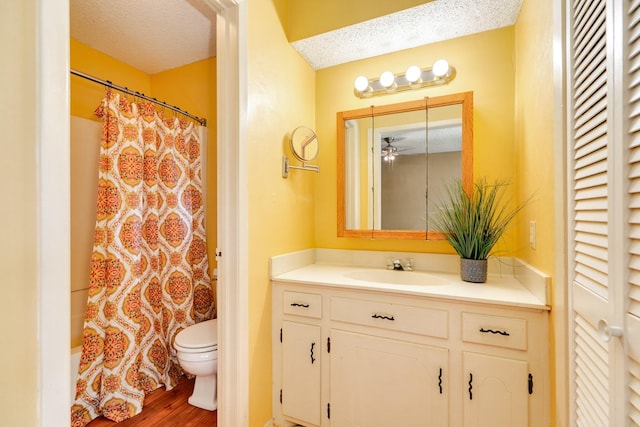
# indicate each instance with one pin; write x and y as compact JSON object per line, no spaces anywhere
{"x":473,"y":222}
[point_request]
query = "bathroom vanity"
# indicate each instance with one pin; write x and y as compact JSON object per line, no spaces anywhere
{"x":355,"y":344}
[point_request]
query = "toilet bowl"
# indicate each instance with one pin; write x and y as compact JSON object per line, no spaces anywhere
{"x":197,"y":348}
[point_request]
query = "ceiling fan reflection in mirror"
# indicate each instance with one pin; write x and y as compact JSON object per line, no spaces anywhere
{"x":390,"y":152}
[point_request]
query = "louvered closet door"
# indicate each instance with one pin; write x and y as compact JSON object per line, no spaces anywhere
{"x":604,"y":211}
{"x":591,"y":145}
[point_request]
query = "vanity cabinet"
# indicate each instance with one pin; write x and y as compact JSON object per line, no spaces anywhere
{"x":385,"y":382}
{"x":375,"y":358}
{"x":301,"y":378}
{"x":498,"y":388}
{"x":299,"y":341}
{"x":496,"y":391}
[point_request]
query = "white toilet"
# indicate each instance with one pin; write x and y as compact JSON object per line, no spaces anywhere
{"x":197,"y":348}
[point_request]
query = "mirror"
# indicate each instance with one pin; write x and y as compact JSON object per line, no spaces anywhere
{"x":304,"y":144}
{"x":395,"y":161}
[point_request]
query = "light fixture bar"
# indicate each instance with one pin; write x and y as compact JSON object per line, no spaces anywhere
{"x":443,"y":75}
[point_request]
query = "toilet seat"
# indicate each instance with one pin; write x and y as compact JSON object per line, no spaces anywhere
{"x":199,"y":338}
{"x":206,"y":356}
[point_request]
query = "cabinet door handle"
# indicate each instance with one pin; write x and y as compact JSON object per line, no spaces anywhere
{"x":297,"y":304}
{"x":312,"y":358}
{"x":440,"y":380}
{"x":491,"y":331}
{"x":470,"y":386}
{"x":381,"y":316}
{"x":530,"y":383}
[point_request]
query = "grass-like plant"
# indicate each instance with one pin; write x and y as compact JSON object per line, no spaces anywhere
{"x":473,"y":222}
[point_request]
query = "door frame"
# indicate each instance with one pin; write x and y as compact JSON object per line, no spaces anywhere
{"x":232,"y":249}
{"x":560,"y":312}
{"x":53,"y":213}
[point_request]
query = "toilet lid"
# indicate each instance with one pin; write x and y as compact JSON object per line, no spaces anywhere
{"x":200,"y":335}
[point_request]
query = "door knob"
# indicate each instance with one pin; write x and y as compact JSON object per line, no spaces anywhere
{"x":606,"y":332}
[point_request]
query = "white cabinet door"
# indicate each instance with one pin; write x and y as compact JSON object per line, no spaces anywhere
{"x":378,"y":382}
{"x":495,"y":391}
{"x":301,"y":372}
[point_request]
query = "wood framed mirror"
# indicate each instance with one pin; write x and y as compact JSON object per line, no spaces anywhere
{"x":395,"y":161}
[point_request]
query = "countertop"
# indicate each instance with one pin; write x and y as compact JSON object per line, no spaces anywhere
{"x":503,"y":290}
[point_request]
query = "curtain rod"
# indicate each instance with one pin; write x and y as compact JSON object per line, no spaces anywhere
{"x":107,"y":83}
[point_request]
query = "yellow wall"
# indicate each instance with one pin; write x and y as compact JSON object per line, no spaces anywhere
{"x":86,"y":95}
{"x":534,"y":131}
{"x":534,"y":112}
{"x":484,"y":65}
{"x":19,"y":250}
{"x":191,"y":87}
{"x":281,"y":92}
{"x":313,"y":17}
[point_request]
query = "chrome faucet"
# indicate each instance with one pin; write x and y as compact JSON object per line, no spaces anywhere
{"x":397,"y":265}
{"x":408,"y":264}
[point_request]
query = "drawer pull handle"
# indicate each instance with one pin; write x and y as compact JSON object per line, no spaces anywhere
{"x":487,"y":331}
{"x":380,"y":316}
{"x":297,"y":304}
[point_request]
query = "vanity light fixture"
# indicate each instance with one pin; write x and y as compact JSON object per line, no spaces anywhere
{"x":414,"y":78}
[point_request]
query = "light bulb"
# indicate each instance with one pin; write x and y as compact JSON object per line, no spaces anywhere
{"x":361,"y":84}
{"x":440,"y":68}
{"x":413,"y":74}
{"x":387,"y":79}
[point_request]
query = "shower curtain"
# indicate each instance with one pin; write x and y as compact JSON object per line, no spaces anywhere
{"x":149,"y":269}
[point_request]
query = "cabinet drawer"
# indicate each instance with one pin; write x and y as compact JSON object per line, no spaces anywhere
{"x":405,"y":318}
{"x":500,"y":331}
{"x":302,"y":304}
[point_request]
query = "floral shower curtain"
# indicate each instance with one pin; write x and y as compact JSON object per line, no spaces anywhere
{"x":149,"y":269}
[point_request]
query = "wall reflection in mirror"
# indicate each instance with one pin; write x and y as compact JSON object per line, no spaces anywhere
{"x":395,"y":162}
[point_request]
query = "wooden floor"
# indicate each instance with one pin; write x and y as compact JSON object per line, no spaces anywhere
{"x":166,"y":409}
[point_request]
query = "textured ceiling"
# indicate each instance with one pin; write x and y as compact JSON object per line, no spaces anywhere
{"x":150,"y":35}
{"x":157,"y":35}
{"x":428,"y":23}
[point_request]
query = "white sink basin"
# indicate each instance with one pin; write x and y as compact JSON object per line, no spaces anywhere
{"x":393,"y":277}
